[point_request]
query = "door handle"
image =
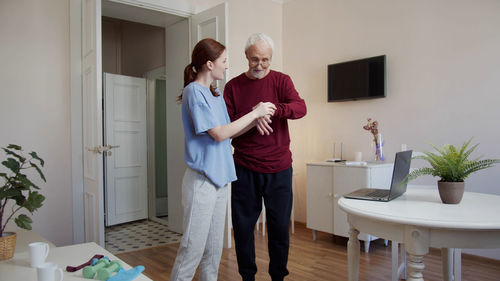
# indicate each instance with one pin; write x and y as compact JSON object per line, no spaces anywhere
{"x":98,"y":149}
{"x":109,"y":147}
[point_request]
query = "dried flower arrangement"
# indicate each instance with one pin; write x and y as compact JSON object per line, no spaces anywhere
{"x":372,"y":126}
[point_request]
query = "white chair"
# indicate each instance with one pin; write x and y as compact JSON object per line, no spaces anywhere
{"x":263,"y":218}
{"x":398,"y":261}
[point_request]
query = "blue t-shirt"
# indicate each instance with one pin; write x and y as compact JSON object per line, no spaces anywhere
{"x":202,"y":111}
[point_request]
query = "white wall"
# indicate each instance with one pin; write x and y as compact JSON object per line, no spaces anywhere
{"x":443,"y":70}
{"x":246,"y":18}
{"x":34,"y":102}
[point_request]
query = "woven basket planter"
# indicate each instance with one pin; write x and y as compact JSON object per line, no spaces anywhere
{"x":7,"y":245}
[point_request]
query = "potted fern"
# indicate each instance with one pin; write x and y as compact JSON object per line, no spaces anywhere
{"x":17,"y":188}
{"x":452,"y":165}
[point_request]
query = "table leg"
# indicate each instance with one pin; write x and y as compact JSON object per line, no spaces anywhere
{"x":353,"y":254}
{"x":417,"y":246}
{"x":415,"y":268}
{"x":402,"y":267}
{"x":457,"y":264}
{"x":447,"y":260}
{"x":395,"y":260}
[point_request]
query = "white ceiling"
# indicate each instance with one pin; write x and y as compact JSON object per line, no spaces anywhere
{"x":136,"y":14}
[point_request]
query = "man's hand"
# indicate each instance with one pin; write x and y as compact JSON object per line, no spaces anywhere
{"x":262,"y":125}
{"x":263,"y":122}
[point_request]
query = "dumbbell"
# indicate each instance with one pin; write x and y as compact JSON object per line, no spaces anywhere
{"x":127,"y":275}
{"x":105,"y":273}
{"x":90,"y":270}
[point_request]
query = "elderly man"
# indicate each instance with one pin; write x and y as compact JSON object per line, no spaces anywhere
{"x":263,"y":158}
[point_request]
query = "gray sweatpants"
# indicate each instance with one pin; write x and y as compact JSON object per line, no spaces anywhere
{"x":204,"y":216}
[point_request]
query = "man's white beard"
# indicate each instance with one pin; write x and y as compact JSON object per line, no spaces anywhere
{"x":258,"y":74}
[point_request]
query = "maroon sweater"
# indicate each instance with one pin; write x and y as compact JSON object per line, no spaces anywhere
{"x":264,"y":154}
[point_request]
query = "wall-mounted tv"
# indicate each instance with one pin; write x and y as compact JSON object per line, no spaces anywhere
{"x":357,"y":79}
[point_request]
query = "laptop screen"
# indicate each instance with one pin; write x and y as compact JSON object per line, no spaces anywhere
{"x":401,"y":170}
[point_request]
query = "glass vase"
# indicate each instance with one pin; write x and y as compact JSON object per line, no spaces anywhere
{"x":377,"y":148}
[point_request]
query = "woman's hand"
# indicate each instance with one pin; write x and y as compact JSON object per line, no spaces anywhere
{"x":264,"y":108}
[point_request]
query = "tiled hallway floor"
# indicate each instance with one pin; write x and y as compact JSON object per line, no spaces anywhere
{"x":138,"y":235}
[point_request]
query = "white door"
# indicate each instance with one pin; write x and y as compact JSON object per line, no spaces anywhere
{"x":92,"y":122}
{"x":212,"y":23}
{"x":126,"y":145}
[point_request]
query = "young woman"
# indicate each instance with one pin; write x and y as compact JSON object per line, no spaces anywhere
{"x":207,"y":130}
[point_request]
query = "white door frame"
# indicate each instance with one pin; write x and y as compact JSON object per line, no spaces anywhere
{"x":151,"y":76}
{"x":174,"y":7}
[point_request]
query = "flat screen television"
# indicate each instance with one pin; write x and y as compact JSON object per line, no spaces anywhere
{"x":357,"y":79}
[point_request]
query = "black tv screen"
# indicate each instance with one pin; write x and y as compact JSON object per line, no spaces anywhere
{"x":357,"y":79}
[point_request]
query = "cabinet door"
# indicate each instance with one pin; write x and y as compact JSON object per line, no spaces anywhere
{"x":345,"y":180}
{"x":319,"y":198}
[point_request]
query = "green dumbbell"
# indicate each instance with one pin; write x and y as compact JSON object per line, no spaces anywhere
{"x":90,"y":270}
{"x":105,"y":273}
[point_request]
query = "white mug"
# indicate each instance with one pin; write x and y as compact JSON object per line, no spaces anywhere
{"x":48,"y":271}
{"x":38,"y":253}
{"x":358,"y":156}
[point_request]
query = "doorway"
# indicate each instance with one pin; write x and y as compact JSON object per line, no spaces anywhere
{"x":86,"y":101}
{"x":137,"y":49}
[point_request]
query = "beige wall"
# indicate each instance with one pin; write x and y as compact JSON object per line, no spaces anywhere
{"x":34,"y":101}
{"x":443,"y":70}
{"x":245,"y":18}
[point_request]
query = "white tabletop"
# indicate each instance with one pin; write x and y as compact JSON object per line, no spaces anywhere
{"x":18,"y":267}
{"x":423,"y":207}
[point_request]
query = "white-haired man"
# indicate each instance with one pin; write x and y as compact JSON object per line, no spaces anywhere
{"x":263,"y":158}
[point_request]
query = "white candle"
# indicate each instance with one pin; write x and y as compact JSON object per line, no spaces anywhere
{"x":358,"y":156}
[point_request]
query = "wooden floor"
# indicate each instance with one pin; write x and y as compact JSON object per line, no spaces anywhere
{"x":323,"y":259}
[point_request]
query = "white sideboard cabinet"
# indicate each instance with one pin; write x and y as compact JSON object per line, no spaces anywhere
{"x":328,"y":181}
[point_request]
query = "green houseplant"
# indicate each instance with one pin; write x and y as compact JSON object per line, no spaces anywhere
{"x":452,"y":165}
{"x":16,"y":187}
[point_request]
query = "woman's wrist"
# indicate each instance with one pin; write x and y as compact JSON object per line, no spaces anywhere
{"x":255,"y":114}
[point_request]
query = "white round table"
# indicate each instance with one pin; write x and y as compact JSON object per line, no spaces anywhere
{"x":419,"y":220}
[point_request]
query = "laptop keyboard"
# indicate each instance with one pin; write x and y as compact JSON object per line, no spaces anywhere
{"x":378,"y":193}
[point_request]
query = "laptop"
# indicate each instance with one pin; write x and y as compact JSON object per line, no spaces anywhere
{"x":398,"y":187}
